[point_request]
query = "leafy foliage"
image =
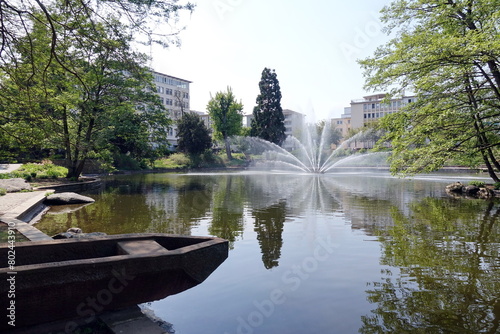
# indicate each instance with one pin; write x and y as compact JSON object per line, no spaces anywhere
{"x":194,"y":137}
{"x":268,"y":120}
{"x":226,"y":114}
{"x":96,"y":100}
{"x":447,"y":53}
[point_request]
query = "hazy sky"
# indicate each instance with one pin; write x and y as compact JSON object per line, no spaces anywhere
{"x":312,"y":45}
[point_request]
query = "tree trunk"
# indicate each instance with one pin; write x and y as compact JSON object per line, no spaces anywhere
{"x":228,"y":149}
{"x":491,"y":170}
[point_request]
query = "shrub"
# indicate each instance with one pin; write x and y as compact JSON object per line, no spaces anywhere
{"x":477,"y":183}
{"x":497,"y":185}
{"x":3,"y":191}
{"x":43,"y":171}
{"x":176,"y":160}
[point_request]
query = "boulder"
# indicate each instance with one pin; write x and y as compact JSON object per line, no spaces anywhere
{"x":458,"y":190}
{"x":67,"y":198}
{"x":70,"y":235}
{"x":471,"y":190}
{"x":485,"y":193}
{"x":76,"y":232}
{"x":456,"y":187}
{"x":15,"y":185}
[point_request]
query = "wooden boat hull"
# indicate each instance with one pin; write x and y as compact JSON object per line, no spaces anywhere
{"x":80,"y":278}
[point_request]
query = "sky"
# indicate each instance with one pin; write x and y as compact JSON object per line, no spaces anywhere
{"x":312,"y":45}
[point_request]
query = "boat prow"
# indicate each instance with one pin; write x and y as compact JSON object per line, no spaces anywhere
{"x":75,"y":278}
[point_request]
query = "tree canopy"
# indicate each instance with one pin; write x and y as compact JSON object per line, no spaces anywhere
{"x":194,"y":136}
{"x":226,"y":114}
{"x":448,"y":53}
{"x":268,"y":120}
{"x":78,"y":86}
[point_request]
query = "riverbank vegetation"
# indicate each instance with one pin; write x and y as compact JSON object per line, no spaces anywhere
{"x":72,"y":84}
{"x":448,"y":54}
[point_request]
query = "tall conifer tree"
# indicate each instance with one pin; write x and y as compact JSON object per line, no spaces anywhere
{"x":268,"y":120}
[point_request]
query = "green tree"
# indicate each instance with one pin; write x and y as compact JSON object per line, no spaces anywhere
{"x":268,"y":120}
{"x":82,"y":102}
{"x":226,"y":114}
{"x":447,"y":53}
{"x":194,"y":137}
{"x":139,"y":18}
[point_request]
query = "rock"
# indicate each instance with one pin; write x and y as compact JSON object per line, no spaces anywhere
{"x":471,"y":190}
{"x":456,"y":187}
{"x":485,"y":193}
{"x":74,"y":230}
{"x":70,"y":234}
{"x":458,"y":190}
{"x":67,"y":198}
{"x":15,"y":185}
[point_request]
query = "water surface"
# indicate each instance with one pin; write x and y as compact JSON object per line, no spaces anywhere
{"x":335,"y":253}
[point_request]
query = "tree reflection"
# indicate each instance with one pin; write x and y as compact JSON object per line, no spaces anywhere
{"x":227,"y":213}
{"x":269,"y":227}
{"x":449,"y":274}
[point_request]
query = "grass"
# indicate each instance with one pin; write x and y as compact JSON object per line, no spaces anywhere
{"x":173,"y":161}
{"x":207,"y":160}
{"x":30,"y":171}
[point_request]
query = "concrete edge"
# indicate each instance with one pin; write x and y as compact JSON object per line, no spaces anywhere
{"x":129,"y":321}
{"x":18,"y":216}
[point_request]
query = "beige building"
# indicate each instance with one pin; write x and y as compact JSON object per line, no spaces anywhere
{"x":344,"y":122}
{"x":373,"y":107}
{"x":174,"y":94}
{"x":368,"y":109}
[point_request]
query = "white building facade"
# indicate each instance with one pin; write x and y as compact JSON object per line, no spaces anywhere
{"x":174,"y":94}
{"x":373,"y":107}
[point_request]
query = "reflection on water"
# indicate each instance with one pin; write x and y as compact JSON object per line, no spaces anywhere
{"x":449,"y":281}
{"x":333,"y":253}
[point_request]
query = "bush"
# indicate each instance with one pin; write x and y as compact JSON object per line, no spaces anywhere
{"x":176,"y":160}
{"x":45,"y":170}
{"x":126,"y":162}
{"x":497,"y":185}
{"x":477,"y":183}
{"x":3,"y":191}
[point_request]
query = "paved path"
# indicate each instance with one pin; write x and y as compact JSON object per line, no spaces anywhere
{"x":7,"y":168}
{"x":11,"y":201}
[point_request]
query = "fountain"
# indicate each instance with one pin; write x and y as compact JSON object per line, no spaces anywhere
{"x":312,"y":154}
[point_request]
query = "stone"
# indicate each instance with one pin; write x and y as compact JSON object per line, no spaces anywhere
{"x":78,"y":235}
{"x":67,"y":198}
{"x":485,"y":193}
{"x":15,"y":185}
{"x":74,"y":230}
{"x":456,"y":187}
{"x":471,"y":190}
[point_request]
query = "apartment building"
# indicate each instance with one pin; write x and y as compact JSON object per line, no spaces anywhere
{"x":174,"y":94}
{"x":373,"y":107}
{"x":368,"y":109}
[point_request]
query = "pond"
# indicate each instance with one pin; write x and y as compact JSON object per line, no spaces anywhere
{"x":344,"y":252}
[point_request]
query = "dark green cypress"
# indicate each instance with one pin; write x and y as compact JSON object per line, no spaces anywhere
{"x":268,"y":120}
